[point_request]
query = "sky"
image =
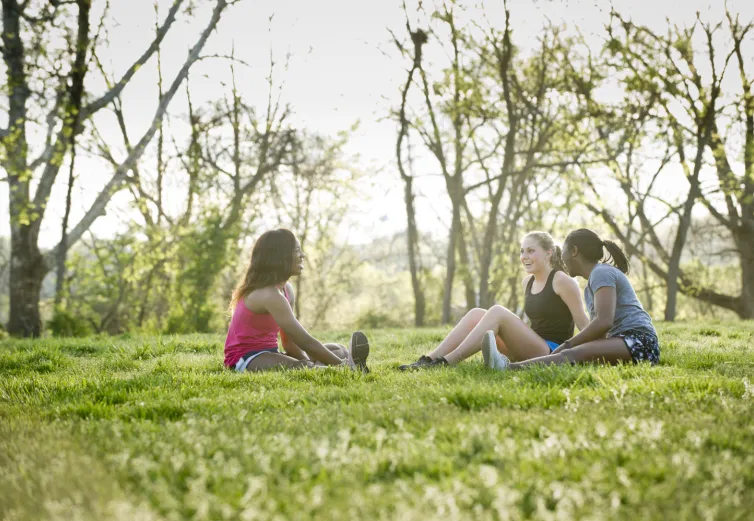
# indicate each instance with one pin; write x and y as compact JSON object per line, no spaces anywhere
{"x":342,"y":68}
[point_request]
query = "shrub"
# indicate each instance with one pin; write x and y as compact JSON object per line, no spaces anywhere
{"x":375,"y":320}
{"x":64,"y":323}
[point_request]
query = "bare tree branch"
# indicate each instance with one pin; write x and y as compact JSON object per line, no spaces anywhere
{"x":116,"y":181}
{"x":115,"y":91}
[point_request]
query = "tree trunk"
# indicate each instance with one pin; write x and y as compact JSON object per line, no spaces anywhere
{"x":648,"y":300}
{"x":27,"y":270}
{"x":672,"y":292}
{"x":674,"y":263}
{"x":450,"y":268}
{"x":746,"y":255}
{"x":63,"y":251}
{"x":465,"y":268}
{"x":24,"y":255}
{"x":413,"y":249}
{"x":490,"y":234}
{"x":485,"y":262}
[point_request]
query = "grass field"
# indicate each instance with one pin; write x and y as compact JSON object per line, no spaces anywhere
{"x":142,"y":428}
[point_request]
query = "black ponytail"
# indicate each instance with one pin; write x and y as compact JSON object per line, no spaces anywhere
{"x":593,"y":248}
{"x":616,"y":256}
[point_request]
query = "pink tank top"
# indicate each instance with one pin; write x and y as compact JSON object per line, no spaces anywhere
{"x":249,"y":331}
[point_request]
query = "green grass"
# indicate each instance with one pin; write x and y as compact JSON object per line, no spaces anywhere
{"x":154,"y":428}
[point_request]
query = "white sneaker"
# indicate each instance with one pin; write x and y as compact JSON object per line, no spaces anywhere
{"x":501,"y":362}
{"x":488,"y":346}
{"x":492,"y":357}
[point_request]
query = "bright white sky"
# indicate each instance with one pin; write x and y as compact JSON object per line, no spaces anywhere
{"x":343,"y":69}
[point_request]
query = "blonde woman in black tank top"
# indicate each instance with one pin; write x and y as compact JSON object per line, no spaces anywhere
{"x":552,"y":297}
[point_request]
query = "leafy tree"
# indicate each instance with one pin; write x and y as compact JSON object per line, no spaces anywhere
{"x":47,"y":83}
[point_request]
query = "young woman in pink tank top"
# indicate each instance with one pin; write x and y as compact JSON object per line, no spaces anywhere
{"x":262,"y":307}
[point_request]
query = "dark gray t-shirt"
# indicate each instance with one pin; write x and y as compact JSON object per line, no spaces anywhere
{"x":629,"y":313}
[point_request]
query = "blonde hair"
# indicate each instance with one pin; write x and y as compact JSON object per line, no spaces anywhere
{"x":546,"y":241}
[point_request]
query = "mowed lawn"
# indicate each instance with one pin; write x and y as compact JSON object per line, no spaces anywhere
{"x":142,"y":428}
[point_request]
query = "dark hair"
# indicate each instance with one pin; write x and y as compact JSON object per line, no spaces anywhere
{"x":547,"y":243}
{"x":592,"y":247}
{"x":271,"y":263}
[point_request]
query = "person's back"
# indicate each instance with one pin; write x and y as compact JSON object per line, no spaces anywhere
{"x":250,"y":332}
{"x":629,"y":313}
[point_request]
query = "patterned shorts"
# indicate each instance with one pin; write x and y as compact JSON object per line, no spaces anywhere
{"x":643,"y":346}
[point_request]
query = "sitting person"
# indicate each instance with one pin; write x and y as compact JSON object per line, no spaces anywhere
{"x":552,"y":302}
{"x":262,"y":306}
{"x":619,"y":331}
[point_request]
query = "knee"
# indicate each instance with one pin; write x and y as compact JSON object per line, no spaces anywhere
{"x":339,"y":350}
{"x":476,"y":314}
{"x":499,"y":311}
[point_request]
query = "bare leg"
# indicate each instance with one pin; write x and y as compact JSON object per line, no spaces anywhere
{"x":458,"y":334}
{"x":520,"y":340}
{"x":267,"y":361}
{"x":606,"y":350}
{"x":501,"y":347}
{"x":338,"y":350}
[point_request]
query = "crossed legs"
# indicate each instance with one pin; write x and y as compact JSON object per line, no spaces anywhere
{"x":605,"y":350}
{"x":267,"y":361}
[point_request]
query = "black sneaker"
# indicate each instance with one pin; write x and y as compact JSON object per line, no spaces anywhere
{"x":438,"y":362}
{"x":423,"y":360}
{"x":360,"y":350}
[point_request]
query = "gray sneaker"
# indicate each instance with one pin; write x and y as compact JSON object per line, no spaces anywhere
{"x":359,"y":349}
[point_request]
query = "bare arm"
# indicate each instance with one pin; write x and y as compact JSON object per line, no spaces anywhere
{"x":605,"y":300}
{"x":281,"y":312}
{"x":289,"y":346}
{"x":568,"y":290}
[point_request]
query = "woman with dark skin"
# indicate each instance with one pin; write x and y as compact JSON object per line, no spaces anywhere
{"x":620,"y":331}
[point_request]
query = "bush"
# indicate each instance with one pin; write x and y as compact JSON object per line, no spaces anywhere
{"x":67,"y":324}
{"x":376,"y":320}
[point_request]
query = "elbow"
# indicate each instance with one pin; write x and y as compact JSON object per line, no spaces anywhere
{"x":603,"y":325}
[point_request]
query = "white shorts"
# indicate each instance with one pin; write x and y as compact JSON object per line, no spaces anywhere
{"x":244,"y":361}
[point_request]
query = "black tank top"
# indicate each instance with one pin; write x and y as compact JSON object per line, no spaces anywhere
{"x":549,"y":315}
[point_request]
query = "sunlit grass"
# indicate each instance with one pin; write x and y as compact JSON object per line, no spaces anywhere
{"x":155,"y":428}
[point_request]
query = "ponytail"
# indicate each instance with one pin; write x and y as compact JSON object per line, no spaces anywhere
{"x":616,"y":256}
{"x":557,"y":259}
{"x":593,"y":248}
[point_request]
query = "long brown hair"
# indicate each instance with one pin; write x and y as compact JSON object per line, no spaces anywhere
{"x":547,"y":243}
{"x":272,"y":261}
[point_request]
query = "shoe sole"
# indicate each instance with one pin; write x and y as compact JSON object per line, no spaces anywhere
{"x":360,"y":350}
{"x":488,"y":344}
